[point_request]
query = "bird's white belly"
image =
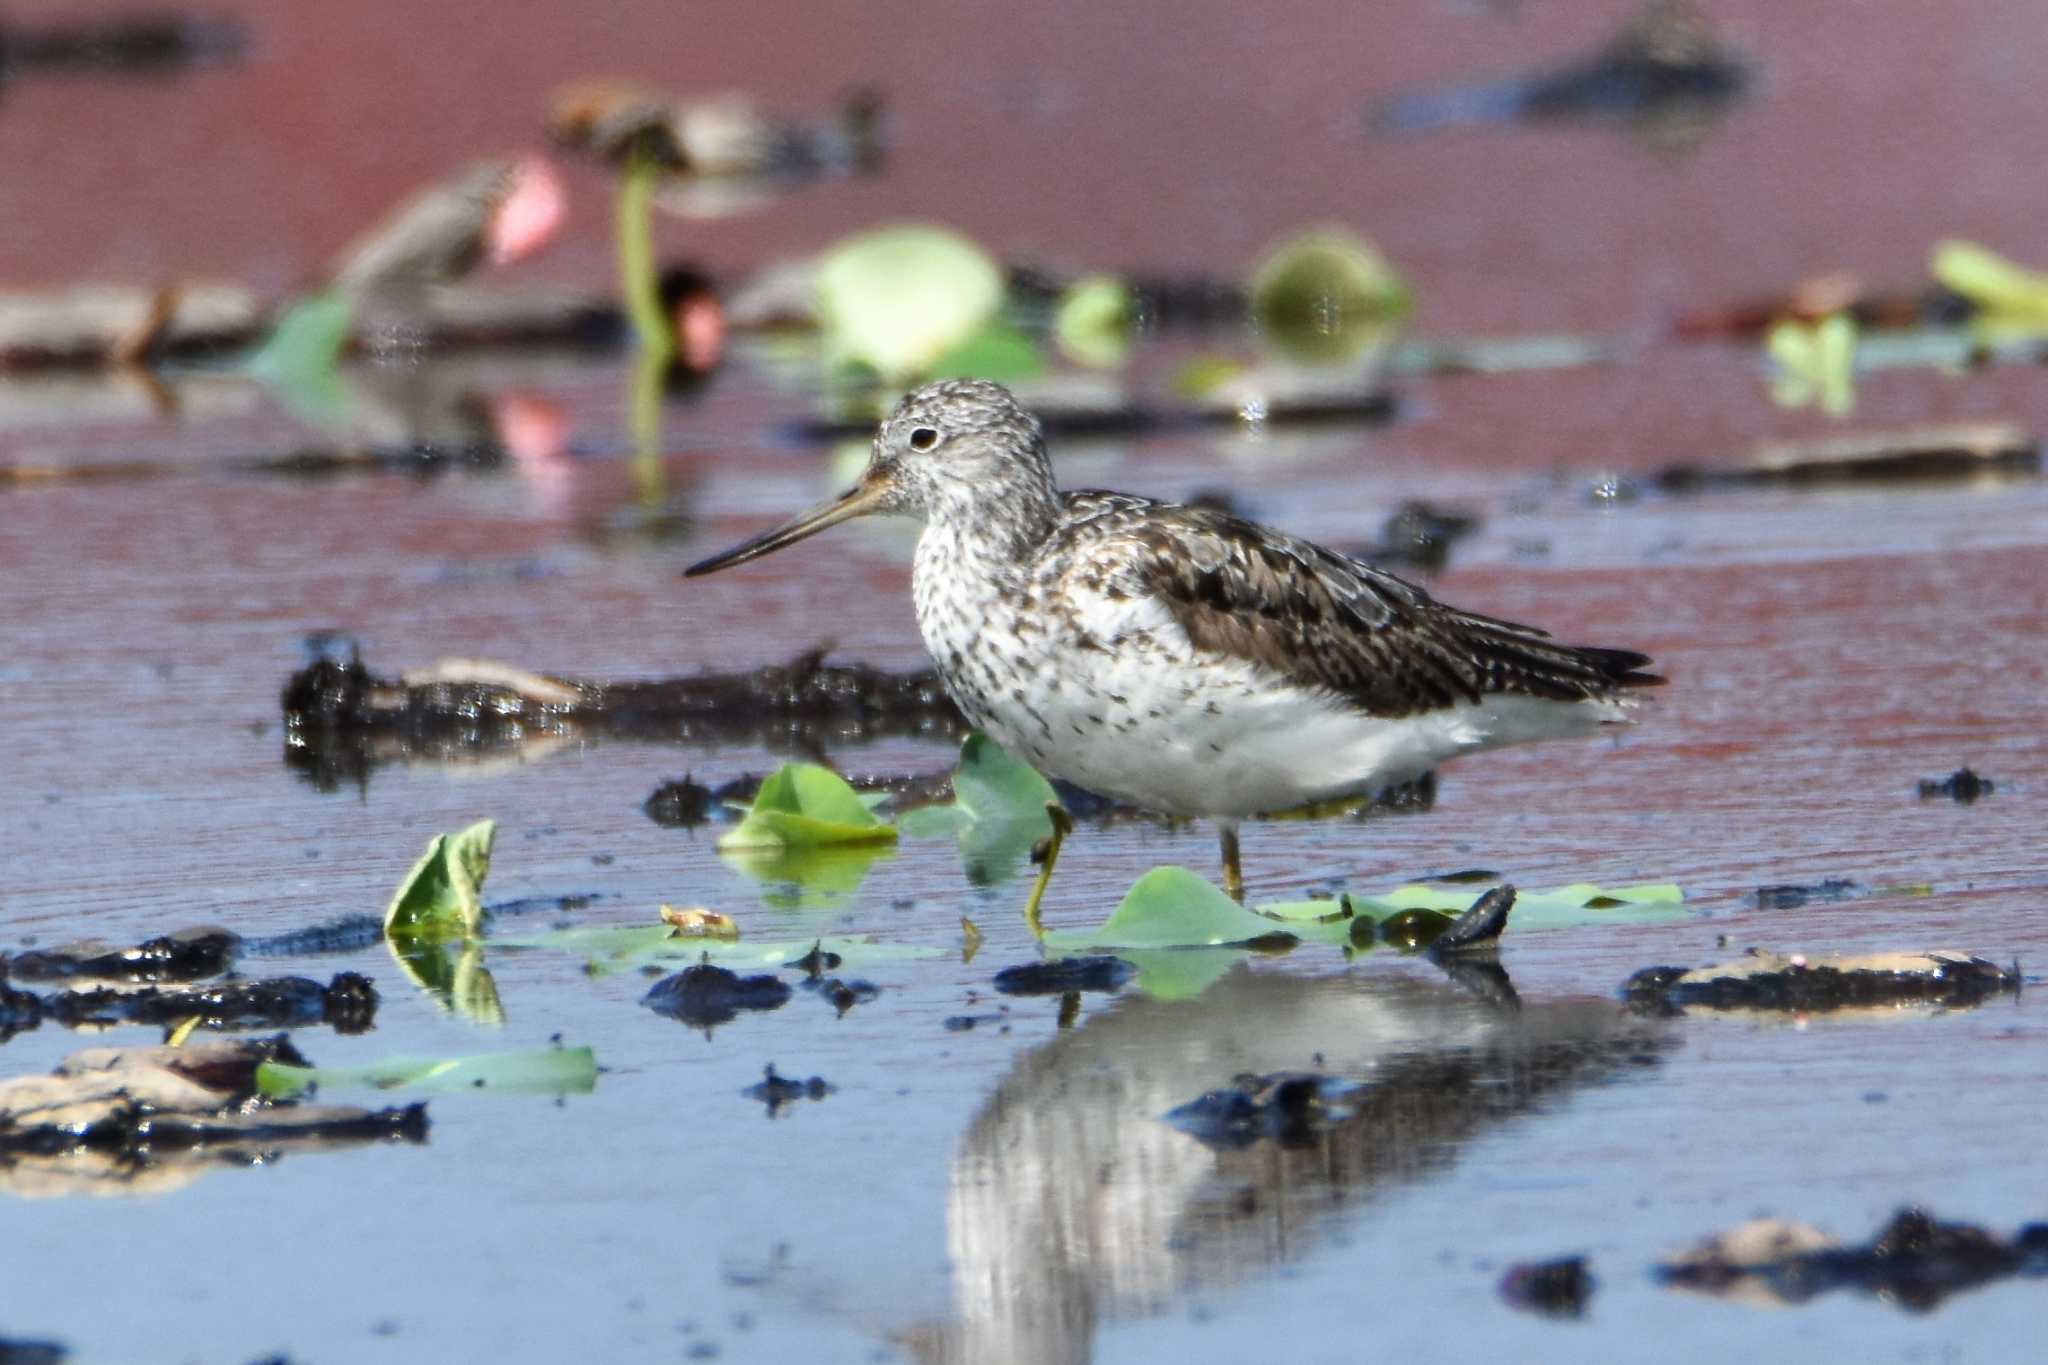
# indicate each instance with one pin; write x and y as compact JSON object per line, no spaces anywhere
{"x":1150,"y":721}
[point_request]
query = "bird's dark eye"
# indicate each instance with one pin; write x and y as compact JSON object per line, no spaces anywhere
{"x":924,"y":438}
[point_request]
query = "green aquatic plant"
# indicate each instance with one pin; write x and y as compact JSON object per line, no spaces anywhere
{"x":802,"y":806}
{"x":610,"y":948}
{"x":2001,"y":289}
{"x":442,"y":897}
{"x":897,"y":299}
{"x":535,"y":1071}
{"x":998,"y":810}
{"x":1815,"y":363}
{"x":1327,"y":297}
{"x":298,"y":360}
{"x":1091,"y":322}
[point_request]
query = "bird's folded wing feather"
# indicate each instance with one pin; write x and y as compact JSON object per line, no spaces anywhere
{"x":1324,"y":621}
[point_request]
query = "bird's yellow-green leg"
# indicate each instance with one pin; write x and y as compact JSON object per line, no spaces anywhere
{"x":1233,"y":874}
{"x":1062,"y":825}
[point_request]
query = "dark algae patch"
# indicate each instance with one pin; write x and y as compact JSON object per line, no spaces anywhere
{"x":348,"y":1003}
{"x":1773,"y":981}
{"x":1915,"y":1261}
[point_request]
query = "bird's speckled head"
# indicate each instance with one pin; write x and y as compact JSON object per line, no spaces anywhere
{"x":958,"y":445}
{"x":960,"y":452}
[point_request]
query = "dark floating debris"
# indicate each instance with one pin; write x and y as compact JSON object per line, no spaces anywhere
{"x":23,"y":1351}
{"x":841,"y":995}
{"x":705,"y":996}
{"x":1975,"y":450}
{"x":1914,"y":1261}
{"x":680,"y":805}
{"x":1418,"y":535}
{"x":1791,"y":895}
{"x":1961,"y":786}
{"x":348,"y":1003}
{"x":186,"y":955}
{"x":776,"y":1091}
{"x":341,"y":720}
{"x":967,"y":1023}
{"x":1061,"y":975}
{"x":1555,"y":1289}
{"x":1774,"y":981}
{"x":1664,"y":76}
{"x":154,"y":1118}
{"x":1291,"y":1108}
{"x":1479,"y":928}
{"x":151,"y":45}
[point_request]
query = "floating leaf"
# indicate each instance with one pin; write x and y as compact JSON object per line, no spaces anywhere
{"x":992,"y":784}
{"x":897,"y":298}
{"x":1171,"y":907}
{"x":998,"y":351}
{"x":1326,"y":296}
{"x":804,"y":806}
{"x":539,"y":1071}
{"x":298,"y":359}
{"x":1579,"y":903}
{"x":1992,"y":282}
{"x":1091,"y":323}
{"x":610,"y":948}
{"x":442,"y":896}
{"x":998,"y":809}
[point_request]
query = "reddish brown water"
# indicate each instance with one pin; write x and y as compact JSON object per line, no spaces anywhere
{"x":1011,"y":1194}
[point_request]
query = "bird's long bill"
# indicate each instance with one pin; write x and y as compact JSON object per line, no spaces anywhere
{"x":862,"y":498}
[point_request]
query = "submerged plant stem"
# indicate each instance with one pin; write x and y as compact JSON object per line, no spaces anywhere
{"x":637,"y":282}
{"x":1062,"y":824}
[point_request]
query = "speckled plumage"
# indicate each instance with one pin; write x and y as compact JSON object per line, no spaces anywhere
{"x":1183,"y":659}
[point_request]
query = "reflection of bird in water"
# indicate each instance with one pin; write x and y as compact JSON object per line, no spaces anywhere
{"x":1072,"y":1202}
{"x":721,"y":155}
{"x":1666,"y":75}
{"x":1185,"y":660}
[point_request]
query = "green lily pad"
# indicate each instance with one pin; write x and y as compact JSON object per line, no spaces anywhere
{"x":537,"y":1071}
{"x":1326,"y":296}
{"x":998,"y":351}
{"x":803,"y":806}
{"x":1091,"y":323}
{"x":1179,"y":973}
{"x":895,"y":299}
{"x":1171,"y":907}
{"x":441,"y":897}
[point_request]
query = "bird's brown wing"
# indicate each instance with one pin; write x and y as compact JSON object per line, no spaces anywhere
{"x":1324,"y":621}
